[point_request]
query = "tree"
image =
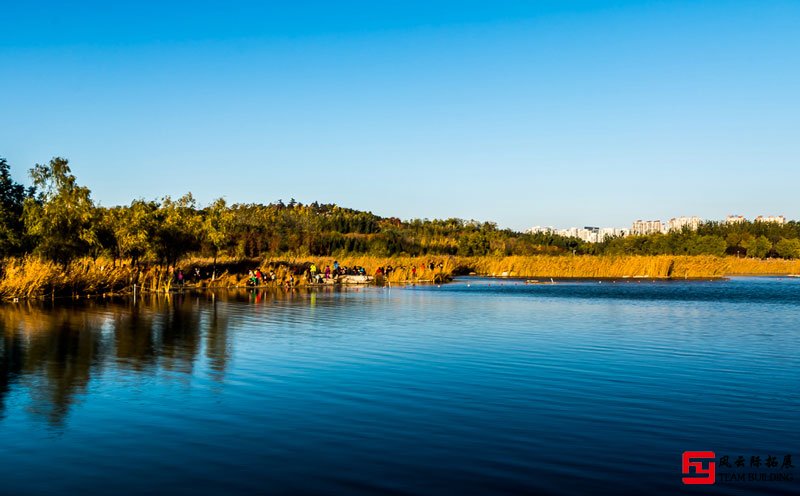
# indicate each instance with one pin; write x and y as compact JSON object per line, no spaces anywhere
{"x":708,"y":245}
{"x":758,"y":247}
{"x":134,"y":229}
{"x":60,"y":216}
{"x":178,"y":229}
{"x":788,"y":248}
{"x":12,"y":199}
{"x":217,"y":226}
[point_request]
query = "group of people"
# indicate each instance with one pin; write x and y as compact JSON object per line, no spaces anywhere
{"x":257,"y":277}
{"x":315,"y":275}
{"x":311,"y":273}
{"x":180,"y":277}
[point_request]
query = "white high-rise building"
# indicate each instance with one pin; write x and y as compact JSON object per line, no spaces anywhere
{"x":735,"y":219}
{"x":778,"y":219}
{"x":678,"y":223}
{"x":611,"y":232}
{"x":644,"y":227}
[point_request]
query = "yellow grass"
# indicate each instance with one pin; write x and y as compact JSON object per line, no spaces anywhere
{"x":401,"y":266}
{"x":661,"y":266}
{"x":31,"y":277}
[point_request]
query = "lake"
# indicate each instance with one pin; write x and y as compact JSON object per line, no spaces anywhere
{"x":481,"y":386}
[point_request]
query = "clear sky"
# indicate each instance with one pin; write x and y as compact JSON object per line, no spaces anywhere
{"x":525,"y":113}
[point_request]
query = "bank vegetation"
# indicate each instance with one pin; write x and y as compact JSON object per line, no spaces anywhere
{"x":55,"y":240}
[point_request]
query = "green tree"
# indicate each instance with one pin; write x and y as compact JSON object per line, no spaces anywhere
{"x":12,"y":199}
{"x":788,"y":248}
{"x":60,"y":216}
{"x":178,"y":229}
{"x":217,"y":227}
{"x":758,"y":247}
{"x":134,"y":229}
{"x":708,"y":245}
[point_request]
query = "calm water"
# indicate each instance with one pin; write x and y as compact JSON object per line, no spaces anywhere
{"x":477,"y":387}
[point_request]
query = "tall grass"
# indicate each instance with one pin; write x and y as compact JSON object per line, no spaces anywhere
{"x":755,"y":266}
{"x":403,"y":268}
{"x":661,"y":266}
{"x":32,"y":277}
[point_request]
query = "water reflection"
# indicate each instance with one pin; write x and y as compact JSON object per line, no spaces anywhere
{"x":478,"y":387}
{"x":11,"y":352}
{"x":52,"y":351}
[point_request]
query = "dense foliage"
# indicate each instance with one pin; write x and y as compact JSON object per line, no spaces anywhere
{"x":57,"y":220}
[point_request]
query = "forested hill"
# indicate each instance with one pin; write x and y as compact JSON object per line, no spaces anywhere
{"x":56,"y":219}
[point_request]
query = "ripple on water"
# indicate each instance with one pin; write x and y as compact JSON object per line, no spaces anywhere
{"x":472,"y":388}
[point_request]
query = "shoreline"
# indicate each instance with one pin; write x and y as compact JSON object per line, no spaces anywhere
{"x":192,"y":289}
{"x":34,"y":279}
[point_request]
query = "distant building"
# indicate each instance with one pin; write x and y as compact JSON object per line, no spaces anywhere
{"x":611,"y":232}
{"x":572,"y":232}
{"x":588,"y":234}
{"x":735,"y":219}
{"x":644,"y":227}
{"x":678,"y":223}
{"x":778,"y":219}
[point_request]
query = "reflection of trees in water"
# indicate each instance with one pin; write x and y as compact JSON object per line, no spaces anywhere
{"x":11,"y":354}
{"x":55,"y":351}
{"x":217,"y":342}
{"x":60,"y":363}
{"x":178,"y":327}
{"x":134,"y":345}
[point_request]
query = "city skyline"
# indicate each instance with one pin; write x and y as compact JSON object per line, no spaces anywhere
{"x":594,"y":234}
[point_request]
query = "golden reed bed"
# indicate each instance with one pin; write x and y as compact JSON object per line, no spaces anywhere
{"x":34,"y":278}
{"x":660,"y":266}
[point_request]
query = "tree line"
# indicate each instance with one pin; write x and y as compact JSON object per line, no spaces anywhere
{"x":56,"y":219}
{"x":743,"y":239}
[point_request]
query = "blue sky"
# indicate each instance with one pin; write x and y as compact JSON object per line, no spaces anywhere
{"x":525,"y":113}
